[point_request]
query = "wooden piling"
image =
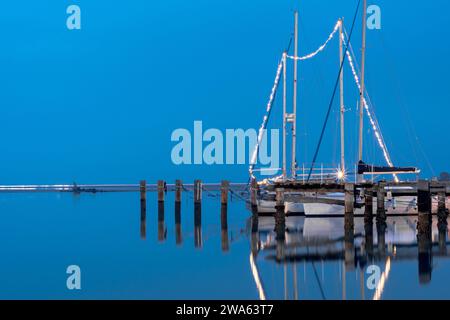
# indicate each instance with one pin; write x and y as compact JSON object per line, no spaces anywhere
{"x":423,"y":196}
{"x":349,"y":203}
{"x":381,"y":211}
{"x":279,"y":197}
{"x":198,"y":243}
{"x":197,"y":191}
{"x":178,"y":189}
{"x":254,"y":193}
{"x":143,"y":192}
{"x":441,"y":201}
{"x":349,"y":198}
{"x":368,"y":201}
{"x":224,"y":192}
{"x":161,"y":190}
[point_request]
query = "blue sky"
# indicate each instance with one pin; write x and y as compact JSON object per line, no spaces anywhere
{"x":99,"y":104}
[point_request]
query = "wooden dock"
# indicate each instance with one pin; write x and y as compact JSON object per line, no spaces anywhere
{"x":423,"y":189}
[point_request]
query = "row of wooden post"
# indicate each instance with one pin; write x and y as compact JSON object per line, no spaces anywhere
{"x":198,"y":190}
{"x":424,"y":196}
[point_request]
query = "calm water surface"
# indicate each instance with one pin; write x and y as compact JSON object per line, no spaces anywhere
{"x":124,"y":256}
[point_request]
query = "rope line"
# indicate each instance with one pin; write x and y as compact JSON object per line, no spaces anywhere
{"x":332,"y":96}
{"x":369,"y":109}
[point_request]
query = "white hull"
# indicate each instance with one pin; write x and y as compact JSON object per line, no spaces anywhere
{"x":267,"y":206}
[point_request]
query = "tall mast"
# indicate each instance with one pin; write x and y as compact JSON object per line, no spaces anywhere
{"x":294,"y":119}
{"x":284,"y":115}
{"x":342,"y":109}
{"x":361,"y":94}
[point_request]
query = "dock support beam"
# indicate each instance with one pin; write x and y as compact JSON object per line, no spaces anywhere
{"x":349,"y":207}
{"x":254,"y":193}
{"x":161,"y":190}
{"x":161,"y":225}
{"x":178,"y":190}
{"x":349,"y":198}
{"x":279,"y":197}
{"x":381,"y":192}
{"x":225,"y":186}
{"x":197,"y":191}
{"x":143,"y":190}
{"x":368,"y":207}
{"x":198,"y":214}
{"x":441,"y":201}
{"x":424,"y":196}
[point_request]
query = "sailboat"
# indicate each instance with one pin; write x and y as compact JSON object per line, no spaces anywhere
{"x":327,"y":203}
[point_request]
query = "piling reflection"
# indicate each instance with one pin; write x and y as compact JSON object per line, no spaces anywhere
{"x":162,"y":231}
{"x":178,"y":234}
{"x":425,"y":255}
{"x":198,"y":242}
{"x":381,"y":235}
{"x":354,"y":248}
{"x":224,"y":227}
{"x":143,"y":220}
{"x":254,"y":234}
{"x":280,"y":229}
{"x":354,"y":245}
{"x":349,"y":241}
{"x":368,"y":238}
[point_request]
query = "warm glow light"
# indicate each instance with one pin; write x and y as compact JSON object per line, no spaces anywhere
{"x":341,"y":175}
